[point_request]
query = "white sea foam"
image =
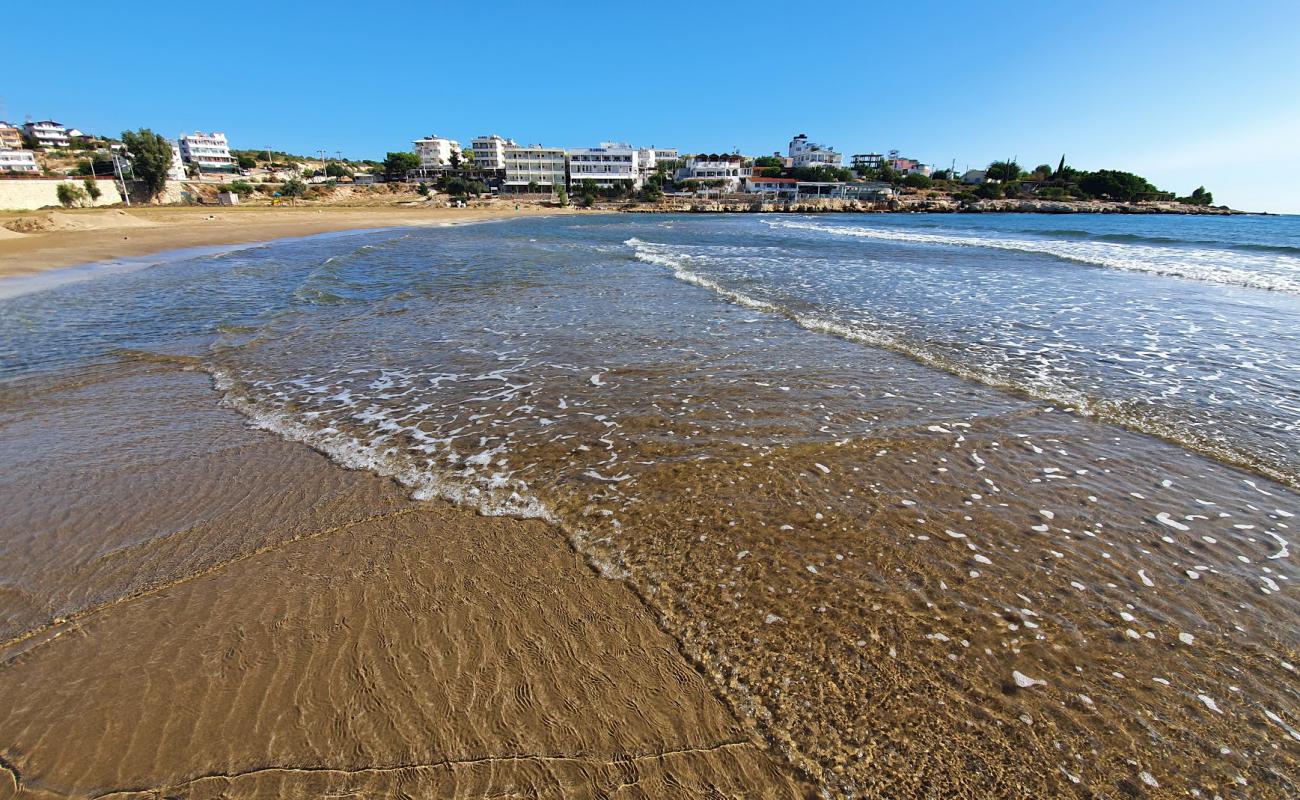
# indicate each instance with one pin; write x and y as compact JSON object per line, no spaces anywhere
{"x":1278,"y":273}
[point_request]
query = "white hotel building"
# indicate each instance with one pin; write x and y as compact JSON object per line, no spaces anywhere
{"x":48,"y":133}
{"x":724,"y":171}
{"x":435,"y":151}
{"x":533,"y":164}
{"x":210,"y":152}
{"x":804,"y":153}
{"x":18,"y":161}
{"x":608,"y":165}
{"x":490,"y":151}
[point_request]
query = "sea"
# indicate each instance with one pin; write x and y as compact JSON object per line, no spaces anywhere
{"x":928,"y":498}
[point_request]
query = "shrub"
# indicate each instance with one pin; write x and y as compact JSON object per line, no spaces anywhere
{"x":92,"y":189}
{"x":918,"y":181}
{"x":241,"y":188}
{"x":988,"y":191}
{"x":69,"y":194}
{"x":561,"y":196}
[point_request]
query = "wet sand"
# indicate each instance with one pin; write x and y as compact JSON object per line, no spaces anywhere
{"x":194,"y":608}
{"x":89,"y":235}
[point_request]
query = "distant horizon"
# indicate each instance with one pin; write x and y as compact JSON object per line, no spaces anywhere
{"x":1197,"y":99}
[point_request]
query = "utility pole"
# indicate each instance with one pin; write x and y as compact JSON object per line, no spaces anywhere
{"x":117,"y":164}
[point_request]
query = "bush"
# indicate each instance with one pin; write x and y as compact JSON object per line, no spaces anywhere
{"x":69,"y":194}
{"x":1004,"y":171}
{"x":246,"y":161}
{"x":241,"y":188}
{"x":651,"y":193}
{"x":918,"y":181}
{"x":1116,"y":185}
{"x":562,"y":197}
{"x":92,"y":189}
{"x":293,"y":188}
{"x":988,"y":191}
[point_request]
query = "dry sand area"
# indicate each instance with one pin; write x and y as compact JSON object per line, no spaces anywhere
{"x":39,"y":240}
{"x":189,"y":607}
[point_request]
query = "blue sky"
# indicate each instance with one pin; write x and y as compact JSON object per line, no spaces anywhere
{"x":1184,"y":93}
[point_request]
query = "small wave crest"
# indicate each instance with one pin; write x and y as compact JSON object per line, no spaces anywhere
{"x":1046,"y":387}
{"x":1227,"y":267}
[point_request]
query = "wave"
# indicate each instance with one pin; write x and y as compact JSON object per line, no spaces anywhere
{"x":1072,"y":233}
{"x":1132,"y":415}
{"x":1211,"y":266}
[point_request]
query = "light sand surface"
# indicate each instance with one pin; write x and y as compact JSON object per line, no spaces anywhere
{"x":40,"y":240}
{"x":196,"y":609}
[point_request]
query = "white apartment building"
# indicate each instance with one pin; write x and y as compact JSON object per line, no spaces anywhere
{"x":48,"y":133}
{"x":544,"y":166}
{"x":18,"y":161}
{"x":435,"y":151}
{"x":666,"y":154}
{"x":210,"y":152}
{"x":804,"y":153}
{"x":609,"y":165}
{"x":10,"y":137}
{"x":725,"y":171}
{"x":490,"y":151}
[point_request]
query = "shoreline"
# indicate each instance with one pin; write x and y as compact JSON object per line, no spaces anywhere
{"x":86,"y":238}
{"x":80,"y":238}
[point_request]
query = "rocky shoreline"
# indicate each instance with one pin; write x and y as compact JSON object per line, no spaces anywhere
{"x":924,"y":205}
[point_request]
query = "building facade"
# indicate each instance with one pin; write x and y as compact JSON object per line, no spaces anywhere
{"x":725,"y":171}
{"x":490,"y":151}
{"x":209,"y":152}
{"x":608,"y":166}
{"x":867,"y":161}
{"x":48,"y":133}
{"x":435,"y":151}
{"x":11,"y":138}
{"x":177,"y":170}
{"x":666,"y":154}
{"x":804,"y":153}
{"x":777,"y":188}
{"x":533,"y":165}
{"x":18,"y":161}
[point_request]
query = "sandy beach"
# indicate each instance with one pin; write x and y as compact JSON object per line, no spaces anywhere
{"x":34,"y":241}
{"x":623,"y":505}
{"x":249,"y":620}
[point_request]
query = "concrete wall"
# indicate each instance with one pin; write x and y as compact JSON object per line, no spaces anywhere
{"x":31,"y":193}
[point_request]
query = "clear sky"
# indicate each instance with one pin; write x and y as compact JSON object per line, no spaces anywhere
{"x":1183,"y":92}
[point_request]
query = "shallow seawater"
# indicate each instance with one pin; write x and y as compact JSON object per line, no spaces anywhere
{"x":993,"y":505}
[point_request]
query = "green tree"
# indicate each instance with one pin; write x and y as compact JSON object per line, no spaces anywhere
{"x":1042,"y":172}
{"x":92,"y":189}
{"x":455,"y":159}
{"x":1199,"y":197}
{"x":1116,"y":185}
{"x":651,"y":193}
{"x":1004,"y":171}
{"x":396,"y":165}
{"x":69,"y":194}
{"x":241,"y":188}
{"x":97,"y":165}
{"x":246,"y":161}
{"x":336,"y":170}
{"x":918,"y":181}
{"x":423,"y":189}
{"x":988,"y":191}
{"x":151,"y":159}
{"x":942,"y":175}
{"x":561,"y":197}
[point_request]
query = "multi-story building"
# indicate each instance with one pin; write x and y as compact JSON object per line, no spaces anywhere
{"x":908,"y":166}
{"x":804,"y":153}
{"x":724,"y":171}
{"x":490,"y":151}
{"x":18,"y":161}
{"x":666,"y":154}
{"x":47,"y":133}
{"x":10,"y":137}
{"x":867,"y":161}
{"x":609,"y":165}
{"x":435,"y":151}
{"x":525,"y":165}
{"x":209,"y":152}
